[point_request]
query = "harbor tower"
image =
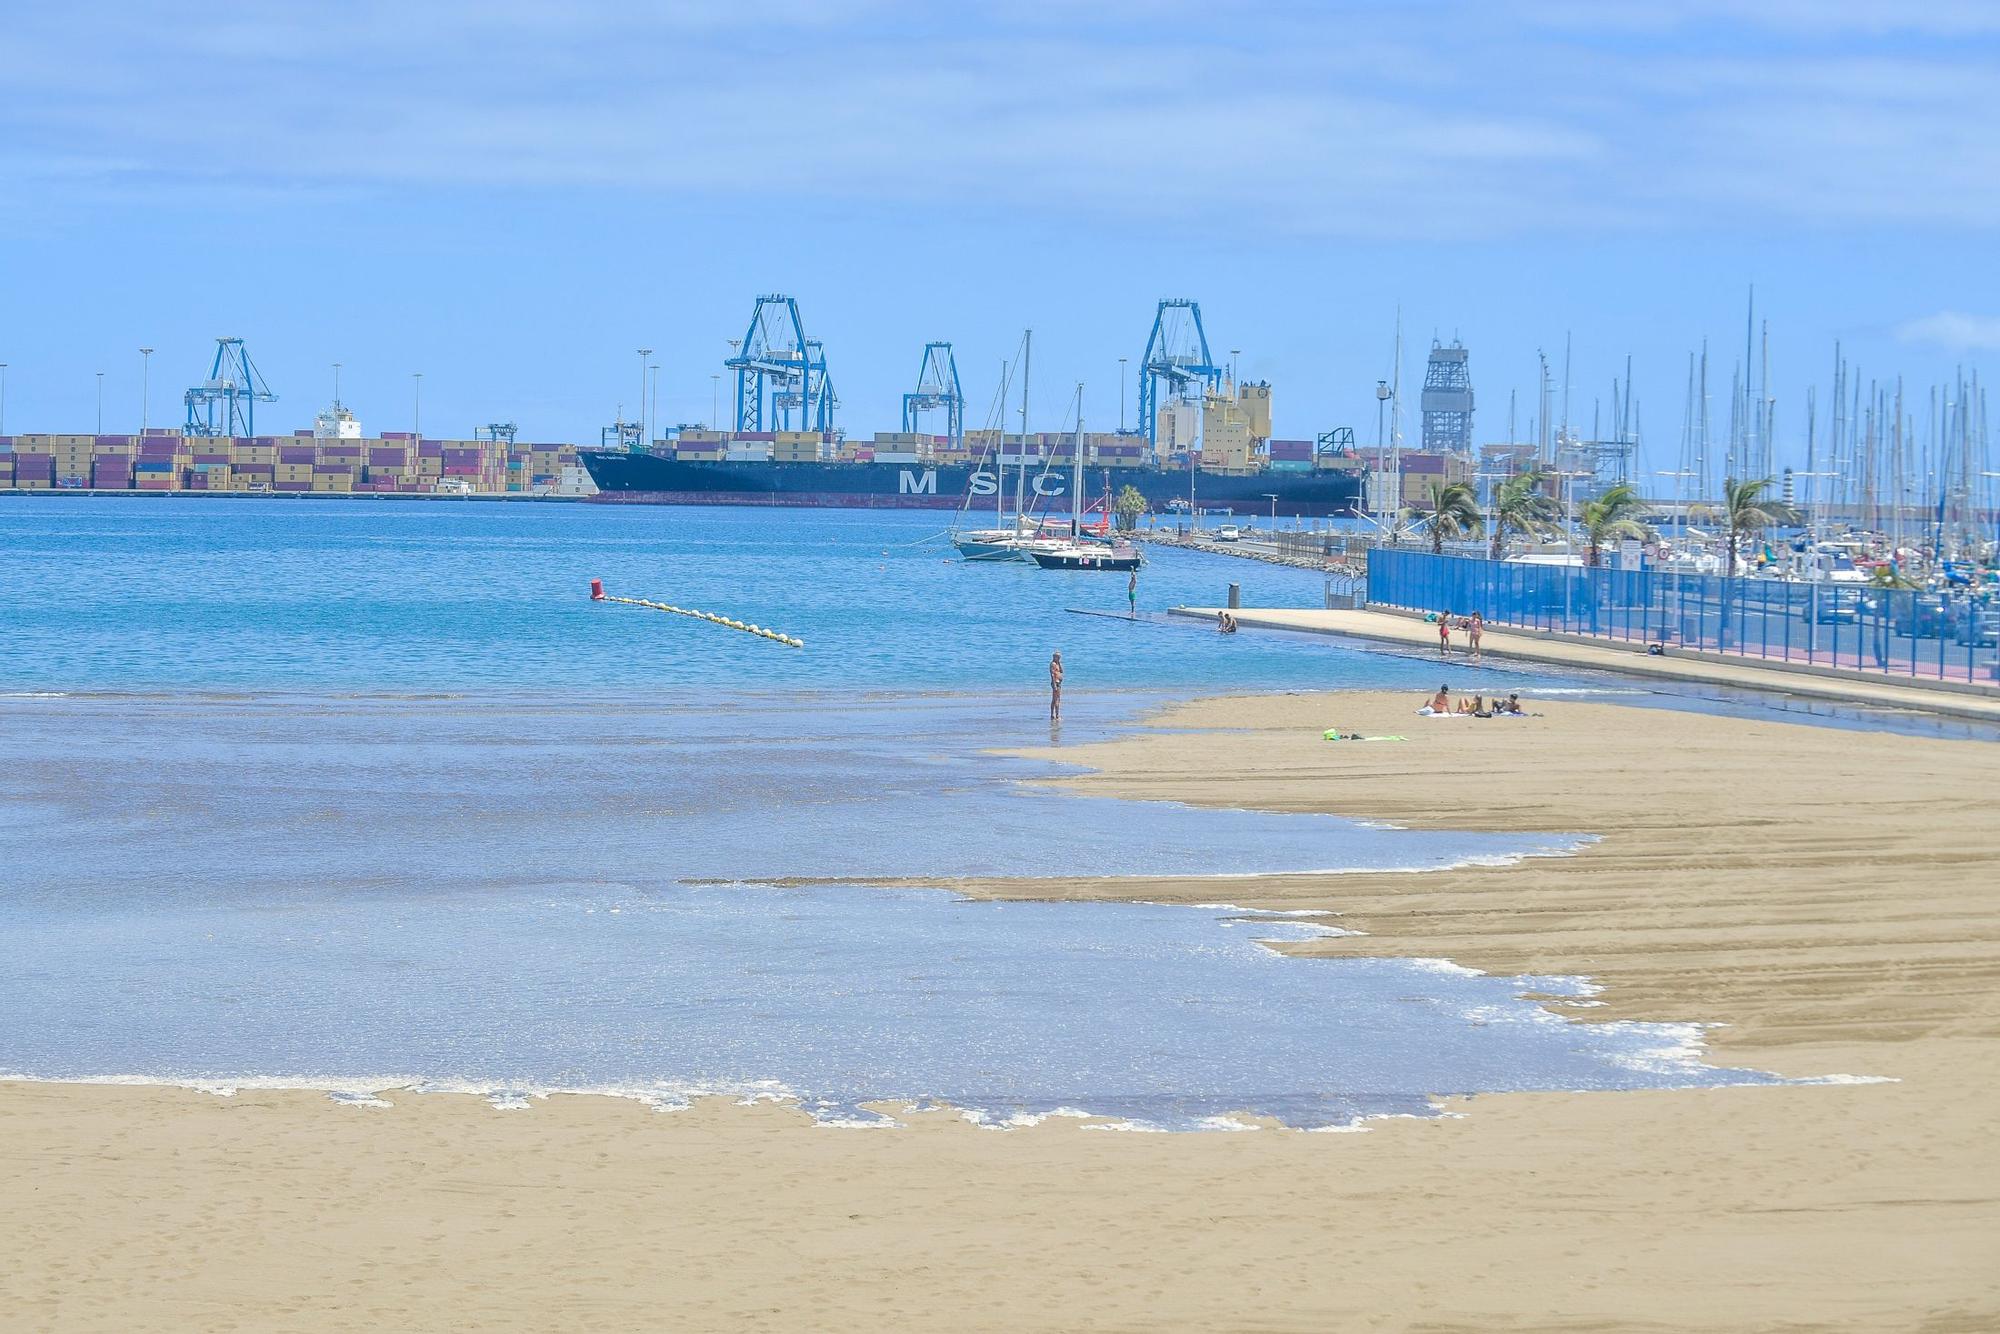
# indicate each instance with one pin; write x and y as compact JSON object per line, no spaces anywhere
{"x":1447,"y":401}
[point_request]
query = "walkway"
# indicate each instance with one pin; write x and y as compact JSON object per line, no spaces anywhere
{"x":1411,"y":633}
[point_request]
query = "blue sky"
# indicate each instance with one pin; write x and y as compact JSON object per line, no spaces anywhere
{"x":512,"y":197}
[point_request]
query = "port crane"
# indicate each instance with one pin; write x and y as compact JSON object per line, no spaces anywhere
{"x":497,"y":432}
{"x":779,"y":372}
{"x":1176,"y":359}
{"x":937,"y":388}
{"x":225,"y":404}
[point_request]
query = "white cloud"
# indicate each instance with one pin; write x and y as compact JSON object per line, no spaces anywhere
{"x":1456,"y":119}
{"x":1954,"y":331}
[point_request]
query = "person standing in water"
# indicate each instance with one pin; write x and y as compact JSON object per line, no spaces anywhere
{"x":1444,"y":634}
{"x":1055,"y":685}
{"x":1473,"y":628}
{"x":1132,"y":596}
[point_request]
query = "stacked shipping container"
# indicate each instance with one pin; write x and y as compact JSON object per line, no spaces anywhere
{"x":163,"y":460}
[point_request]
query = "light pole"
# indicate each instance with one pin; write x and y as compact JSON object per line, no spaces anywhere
{"x":3,"y":398}
{"x":1382,"y":392}
{"x":1234,"y":353}
{"x":1121,"y":395}
{"x":145,"y":387}
{"x":418,"y":377}
{"x":1680,"y":495}
{"x":100,"y":402}
{"x":1273,"y":498}
{"x":644,"y":352}
{"x":336,"y":384}
{"x":714,"y":401}
{"x":653,"y":396}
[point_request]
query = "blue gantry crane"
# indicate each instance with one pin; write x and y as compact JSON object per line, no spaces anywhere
{"x":937,"y":388}
{"x":225,"y":404}
{"x":1177,"y":359}
{"x":780,"y":372}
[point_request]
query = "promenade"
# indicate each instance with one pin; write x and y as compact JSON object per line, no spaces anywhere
{"x":1414,"y":634}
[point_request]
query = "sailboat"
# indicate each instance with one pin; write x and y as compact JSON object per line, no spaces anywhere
{"x":1077,"y":552}
{"x":1005,"y":541}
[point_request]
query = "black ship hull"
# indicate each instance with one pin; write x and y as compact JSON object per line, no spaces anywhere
{"x":648,"y":479}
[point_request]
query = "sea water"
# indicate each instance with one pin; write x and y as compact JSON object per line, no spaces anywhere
{"x":350,"y":795}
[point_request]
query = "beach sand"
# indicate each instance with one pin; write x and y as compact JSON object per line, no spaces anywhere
{"x":1831,"y":898}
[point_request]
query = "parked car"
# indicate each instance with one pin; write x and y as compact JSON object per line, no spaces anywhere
{"x":1833,"y":605}
{"x":1229,"y":532}
{"x":1977,"y":624}
{"x":1921,"y":614}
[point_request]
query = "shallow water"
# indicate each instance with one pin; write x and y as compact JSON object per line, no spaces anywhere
{"x":496,"y":894}
{"x":349,"y":795}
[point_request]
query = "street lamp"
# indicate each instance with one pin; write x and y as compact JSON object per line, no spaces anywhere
{"x":1273,"y":498}
{"x":1382,"y":392}
{"x":1680,"y":495}
{"x":418,"y":377}
{"x":653,"y":396}
{"x":644,"y":352}
{"x":1121,"y":394}
{"x":100,"y":402}
{"x":1234,"y":353}
{"x":714,"y":401}
{"x":145,"y":386}
{"x":3,"y":398}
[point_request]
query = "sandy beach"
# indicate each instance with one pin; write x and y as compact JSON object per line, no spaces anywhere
{"x":1829,"y":900}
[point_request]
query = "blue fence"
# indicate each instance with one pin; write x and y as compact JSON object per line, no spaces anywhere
{"x":1904,"y":633}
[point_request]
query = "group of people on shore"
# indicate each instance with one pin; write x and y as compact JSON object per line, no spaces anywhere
{"x":1472,"y":706}
{"x":1473,"y":625}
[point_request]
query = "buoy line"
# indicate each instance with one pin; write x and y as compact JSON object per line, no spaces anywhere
{"x":597,"y":594}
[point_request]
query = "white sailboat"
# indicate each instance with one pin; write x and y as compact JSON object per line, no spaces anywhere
{"x":1076,"y":551}
{"x":1005,"y":541}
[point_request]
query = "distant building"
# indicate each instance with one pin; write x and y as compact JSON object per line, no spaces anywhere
{"x":336,"y":423}
{"x":1447,"y":401}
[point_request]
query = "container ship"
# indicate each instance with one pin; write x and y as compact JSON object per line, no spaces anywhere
{"x":1235,"y":468}
{"x":656,"y":478}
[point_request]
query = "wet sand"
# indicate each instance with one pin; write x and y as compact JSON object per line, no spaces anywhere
{"x":1832,"y":898}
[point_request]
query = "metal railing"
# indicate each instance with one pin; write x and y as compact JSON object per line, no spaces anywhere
{"x":1857,"y":627}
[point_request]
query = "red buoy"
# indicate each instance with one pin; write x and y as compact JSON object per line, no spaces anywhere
{"x":597,"y":590}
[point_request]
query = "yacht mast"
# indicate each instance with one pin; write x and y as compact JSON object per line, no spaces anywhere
{"x":1076,"y":474}
{"x":1021,"y":463}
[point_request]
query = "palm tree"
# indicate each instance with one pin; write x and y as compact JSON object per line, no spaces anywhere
{"x":1454,"y":514}
{"x":1519,"y":505}
{"x":1746,"y":511}
{"x":1127,"y":506}
{"x":1612,"y":516}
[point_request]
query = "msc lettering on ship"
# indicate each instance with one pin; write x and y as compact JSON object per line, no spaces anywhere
{"x":984,"y":484}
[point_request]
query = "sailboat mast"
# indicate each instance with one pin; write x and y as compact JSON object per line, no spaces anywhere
{"x":1021,"y":463}
{"x":1000,"y":466}
{"x":1076,"y":473}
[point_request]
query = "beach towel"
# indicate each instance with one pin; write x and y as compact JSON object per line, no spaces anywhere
{"x":1335,"y":734}
{"x":1428,"y":712}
